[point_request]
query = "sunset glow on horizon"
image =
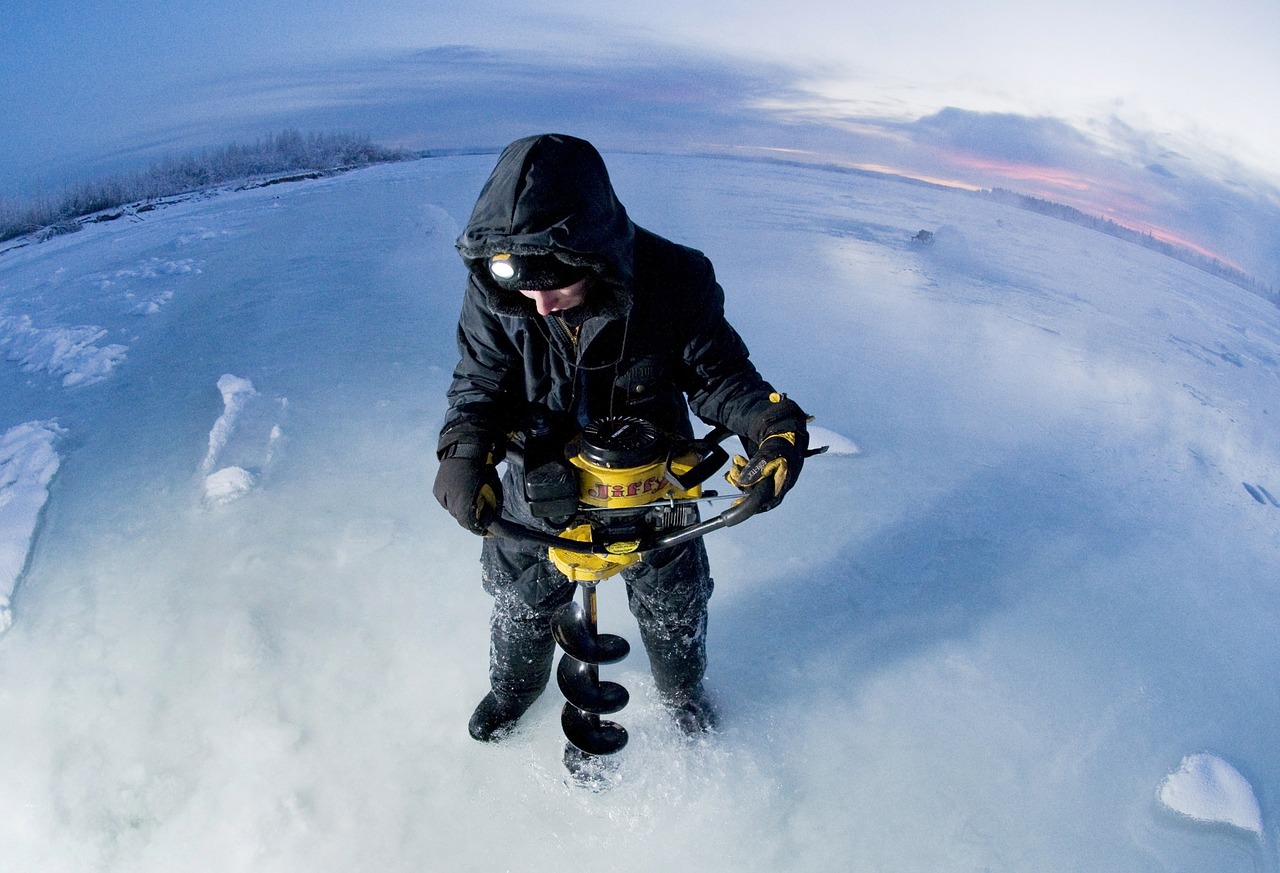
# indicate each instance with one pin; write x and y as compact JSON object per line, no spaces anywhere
{"x":1096,"y":197}
{"x":1092,"y":196}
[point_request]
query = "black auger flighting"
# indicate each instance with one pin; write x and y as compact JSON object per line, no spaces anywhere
{"x":578,"y":675}
{"x":623,"y":488}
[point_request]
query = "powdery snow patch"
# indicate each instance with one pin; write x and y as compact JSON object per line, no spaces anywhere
{"x":70,"y":352}
{"x":153,"y":268}
{"x":1208,"y":789}
{"x":27,"y":463}
{"x":363,"y":537}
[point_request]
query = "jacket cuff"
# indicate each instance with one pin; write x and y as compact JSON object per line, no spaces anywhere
{"x":781,"y":415}
{"x":467,"y":442}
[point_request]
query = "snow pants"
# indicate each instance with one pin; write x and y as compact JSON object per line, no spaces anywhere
{"x":667,"y":593}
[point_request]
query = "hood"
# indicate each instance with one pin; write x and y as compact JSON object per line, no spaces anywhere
{"x":551,"y":194}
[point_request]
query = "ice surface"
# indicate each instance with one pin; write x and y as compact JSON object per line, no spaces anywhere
{"x":971,"y":647}
{"x":1207,"y":788}
{"x":28,"y":461}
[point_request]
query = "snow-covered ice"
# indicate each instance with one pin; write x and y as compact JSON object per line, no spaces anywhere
{"x":979,"y":634}
{"x":28,"y":461}
{"x":1208,"y":789}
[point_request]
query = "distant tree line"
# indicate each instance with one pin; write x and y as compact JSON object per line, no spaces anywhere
{"x":287,"y":152}
{"x":1210,"y":265}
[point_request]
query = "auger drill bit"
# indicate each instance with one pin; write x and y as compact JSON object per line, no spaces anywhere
{"x":578,"y":676}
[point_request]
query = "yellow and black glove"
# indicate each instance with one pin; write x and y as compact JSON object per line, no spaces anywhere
{"x":778,"y":459}
{"x":778,"y":443}
{"x":467,"y":485}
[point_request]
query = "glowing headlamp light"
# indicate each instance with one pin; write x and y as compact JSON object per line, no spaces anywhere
{"x":502,"y":268}
{"x":532,"y":272}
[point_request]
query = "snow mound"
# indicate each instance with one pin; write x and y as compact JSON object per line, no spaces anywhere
{"x":27,"y":464}
{"x":70,"y":352}
{"x":242,"y":441}
{"x":839,"y":445}
{"x":227,"y":484}
{"x":153,"y":304}
{"x":1208,"y":789}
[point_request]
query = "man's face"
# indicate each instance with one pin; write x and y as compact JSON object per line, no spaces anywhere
{"x":558,"y":299}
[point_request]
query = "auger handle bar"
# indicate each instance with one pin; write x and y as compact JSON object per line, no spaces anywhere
{"x":754,"y":498}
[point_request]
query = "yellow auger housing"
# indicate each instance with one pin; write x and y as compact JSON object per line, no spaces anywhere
{"x":618,"y":470}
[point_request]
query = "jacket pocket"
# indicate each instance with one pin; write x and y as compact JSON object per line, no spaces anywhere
{"x":642,"y":379}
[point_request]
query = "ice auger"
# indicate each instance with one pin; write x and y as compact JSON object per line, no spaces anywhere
{"x":621,"y":489}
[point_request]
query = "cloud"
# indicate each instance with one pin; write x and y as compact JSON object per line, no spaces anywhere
{"x":1047,"y":142}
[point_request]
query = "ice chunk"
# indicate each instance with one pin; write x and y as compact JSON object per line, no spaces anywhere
{"x":227,"y":484}
{"x":1207,"y":788}
{"x":242,"y":441}
{"x":235,"y":392}
{"x":27,"y":464}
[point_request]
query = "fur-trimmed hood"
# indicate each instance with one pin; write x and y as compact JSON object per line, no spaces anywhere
{"x":551,"y":194}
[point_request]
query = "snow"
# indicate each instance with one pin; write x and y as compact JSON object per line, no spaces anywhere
{"x":28,"y":462}
{"x":227,"y":484}
{"x":1208,"y":789}
{"x":981,"y":633}
{"x":69,"y":352}
{"x":836,"y":444}
{"x":245,"y":433}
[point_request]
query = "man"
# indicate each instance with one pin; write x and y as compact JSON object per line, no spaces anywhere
{"x":572,"y":313}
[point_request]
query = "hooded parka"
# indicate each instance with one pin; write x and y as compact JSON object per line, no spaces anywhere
{"x":650,"y":339}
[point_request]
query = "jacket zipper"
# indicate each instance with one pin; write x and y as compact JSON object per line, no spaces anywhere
{"x":571,"y":335}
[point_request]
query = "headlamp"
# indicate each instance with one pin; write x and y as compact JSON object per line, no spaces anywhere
{"x":532,"y":272}
{"x":502,"y":268}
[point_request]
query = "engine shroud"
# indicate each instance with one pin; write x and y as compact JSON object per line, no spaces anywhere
{"x":622,"y":464}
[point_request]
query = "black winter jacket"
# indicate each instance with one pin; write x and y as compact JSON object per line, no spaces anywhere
{"x":654,"y":341}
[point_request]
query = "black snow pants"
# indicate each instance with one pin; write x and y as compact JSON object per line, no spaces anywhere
{"x":667,"y":593}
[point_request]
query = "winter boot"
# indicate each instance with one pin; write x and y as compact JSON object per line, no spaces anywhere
{"x":692,"y":711}
{"x":495,"y":718}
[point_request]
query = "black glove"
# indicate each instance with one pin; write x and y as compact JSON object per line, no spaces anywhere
{"x":778,"y":459}
{"x":468,"y":487}
{"x":780,"y":438}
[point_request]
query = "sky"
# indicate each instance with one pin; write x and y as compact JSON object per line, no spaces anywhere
{"x":1156,"y":115}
